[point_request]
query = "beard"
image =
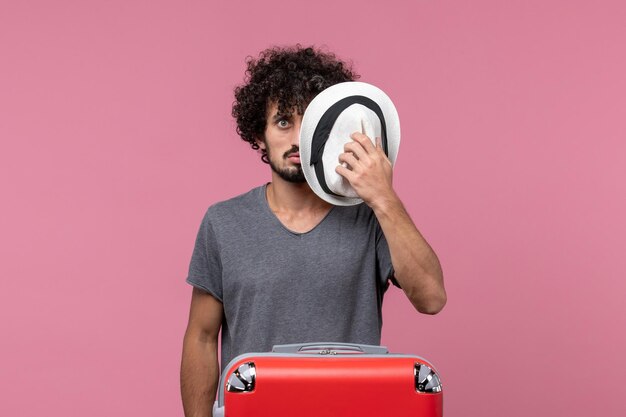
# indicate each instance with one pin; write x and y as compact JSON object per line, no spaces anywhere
{"x":290,"y":174}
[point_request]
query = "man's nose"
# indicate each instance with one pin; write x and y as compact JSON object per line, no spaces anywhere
{"x":295,"y":135}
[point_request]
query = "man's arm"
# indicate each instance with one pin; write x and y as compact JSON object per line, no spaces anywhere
{"x":199,"y":370}
{"x":416,"y":266}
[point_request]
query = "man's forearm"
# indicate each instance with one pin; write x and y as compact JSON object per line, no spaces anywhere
{"x":416,"y":266}
{"x":199,"y":375}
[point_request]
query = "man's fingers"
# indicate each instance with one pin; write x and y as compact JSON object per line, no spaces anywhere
{"x":380,"y":150}
{"x":349,"y":158}
{"x":364,"y":140}
{"x":345,"y":172}
{"x":356,"y":149}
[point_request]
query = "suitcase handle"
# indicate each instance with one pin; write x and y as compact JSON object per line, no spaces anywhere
{"x":330,"y":348}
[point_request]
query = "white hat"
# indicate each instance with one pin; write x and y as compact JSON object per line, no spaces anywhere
{"x":329,"y":120}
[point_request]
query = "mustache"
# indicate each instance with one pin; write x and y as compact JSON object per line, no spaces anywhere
{"x":293,"y":149}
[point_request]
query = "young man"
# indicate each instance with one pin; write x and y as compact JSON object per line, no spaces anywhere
{"x":278,"y":264}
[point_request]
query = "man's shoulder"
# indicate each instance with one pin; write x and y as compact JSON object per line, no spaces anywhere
{"x":357,"y":213}
{"x":235,"y":206}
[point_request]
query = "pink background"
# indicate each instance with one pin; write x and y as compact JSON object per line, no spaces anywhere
{"x":116,"y":136}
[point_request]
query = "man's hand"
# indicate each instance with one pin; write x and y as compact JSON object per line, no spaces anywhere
{"x":368,"y":170}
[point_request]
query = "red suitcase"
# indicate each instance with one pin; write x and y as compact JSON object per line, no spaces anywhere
{"x":329,"y":379}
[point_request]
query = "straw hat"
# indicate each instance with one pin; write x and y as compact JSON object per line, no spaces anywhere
{"x":327,"y":123}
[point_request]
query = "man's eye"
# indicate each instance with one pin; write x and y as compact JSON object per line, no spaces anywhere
{"x":283,"y":123}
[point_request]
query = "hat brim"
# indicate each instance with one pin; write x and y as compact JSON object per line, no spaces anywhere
{"x":319,"y":106}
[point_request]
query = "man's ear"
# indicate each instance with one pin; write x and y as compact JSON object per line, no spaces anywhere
{"x":261,"y":142}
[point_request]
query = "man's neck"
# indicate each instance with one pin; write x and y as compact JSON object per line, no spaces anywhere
{"x":289,"y":197}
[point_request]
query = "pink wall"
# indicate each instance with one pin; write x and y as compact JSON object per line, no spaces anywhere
{"x":116,"y":136}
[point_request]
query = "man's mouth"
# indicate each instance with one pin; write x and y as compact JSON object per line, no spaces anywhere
{"x":293,"y":154}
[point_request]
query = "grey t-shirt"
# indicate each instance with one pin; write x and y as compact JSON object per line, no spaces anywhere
{"x":278,"y":286}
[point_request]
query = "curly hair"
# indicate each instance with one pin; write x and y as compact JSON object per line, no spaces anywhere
{"x":291,"y":77}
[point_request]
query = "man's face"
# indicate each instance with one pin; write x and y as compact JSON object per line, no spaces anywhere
{"x":281,"y":143}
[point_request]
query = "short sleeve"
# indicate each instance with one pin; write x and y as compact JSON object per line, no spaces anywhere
{"x":205,"y":268}
{"x":383,"y":260}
